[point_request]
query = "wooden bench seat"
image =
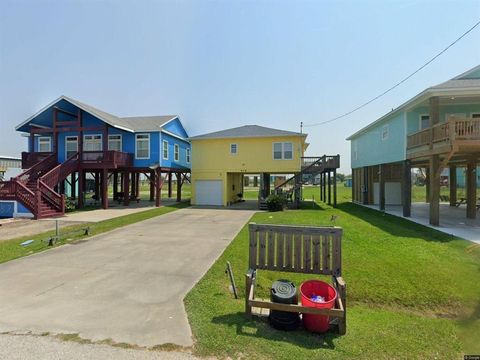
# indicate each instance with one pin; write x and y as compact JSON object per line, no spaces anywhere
{"x":298,"y":249}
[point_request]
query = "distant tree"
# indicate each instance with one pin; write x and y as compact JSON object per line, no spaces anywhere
{"x":340,"y":177}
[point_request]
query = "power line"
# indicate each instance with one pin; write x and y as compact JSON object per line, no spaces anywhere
{"x":397,"y":84}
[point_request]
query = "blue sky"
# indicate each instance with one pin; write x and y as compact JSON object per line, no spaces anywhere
{"x":221,"y":64}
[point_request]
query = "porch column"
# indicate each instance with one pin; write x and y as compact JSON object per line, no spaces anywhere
{"x":137,"y":185}
{"x":169,"y":184}
{"x":126,"y":188}
{"x":427,"y":185}
{"x":434,"y":190}
{"x":452,"y":182}
{"x":321,"y":190}
{"x":324,"y":187}
{"x":381,"y":178}
{"x":266,"y":182}
{"x":73,"y":183}
{"x":471,"y":187}
{"x":329,"y":182}
{"x":158,"y":188}
{"x":62,"y":187}
{"x":132,"y":195}
{"x":434,"y":113}
{"x":152,"y":185}
{"x":365,"y":189}
{"x":334,"y":187}
{"x":97,"y":185}
{"x":407,"y":189}
{"x":105,"y":188}
{"x":105,"y":137}
{"x":81,"y":187}
{"x":179,"y":187}
{"x":115,"y":185}
{"x":31,"y":148}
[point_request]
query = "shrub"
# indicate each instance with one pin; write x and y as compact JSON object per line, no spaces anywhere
{"x":69,"y":205}
{"x":276,"y":202}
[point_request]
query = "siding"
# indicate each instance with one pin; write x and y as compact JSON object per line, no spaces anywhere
{"x":371,"y":149}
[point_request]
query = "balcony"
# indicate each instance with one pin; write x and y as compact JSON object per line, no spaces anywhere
{"x":106,"y":159}
{"x":457,"y":134}
{"x":320,"y":164}
{"x":31,"y":158}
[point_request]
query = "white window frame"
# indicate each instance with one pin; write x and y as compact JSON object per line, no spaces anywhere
{"x":176,"y":152}
{"x":92,"y":135}
{"x":120,"y":139}
{"x":148,"y":143}
{"x":282,"y":145}
{"x":49,"y":143}
{"x":67,"y":141}
{"x":420,"y":121}
{"x":234,"y":145}
{"x":385,"y":132}
{"x":164,"y":142}
{"x":188,"y":155}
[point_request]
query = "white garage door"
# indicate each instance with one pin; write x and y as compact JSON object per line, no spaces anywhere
{"x":209,"y":192}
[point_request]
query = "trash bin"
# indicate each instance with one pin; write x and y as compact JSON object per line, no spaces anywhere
{"x":308,"y":291}
{"x":284,"y":292}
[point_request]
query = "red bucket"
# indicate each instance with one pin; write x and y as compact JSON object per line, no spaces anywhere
{"x":310,"y":289}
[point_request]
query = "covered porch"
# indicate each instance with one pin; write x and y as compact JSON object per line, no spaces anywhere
{"x":453,"y":219}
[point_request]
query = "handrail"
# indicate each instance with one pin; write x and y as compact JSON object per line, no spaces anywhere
{"x":50,"y":195}
{"x":36,"y":169}
{"x":54,"y":176}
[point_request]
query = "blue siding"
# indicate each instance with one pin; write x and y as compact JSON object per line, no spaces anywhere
{"x":22,"y":209}
{"x":370,"y":149}
{"x":6,"y":209}
{"x":176,"y":128}
{"x":183,"y":146}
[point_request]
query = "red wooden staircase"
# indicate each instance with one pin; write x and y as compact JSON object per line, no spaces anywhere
{"x":34,"y":188}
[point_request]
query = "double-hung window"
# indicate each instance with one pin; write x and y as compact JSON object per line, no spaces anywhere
{"x":165,"y":149}
{"x":188,"y":155}
{"x":142,"y":146}
{"x":424,"y":122}
{"x":92,"y":143}
{"x":176,"y":152}
{"x":71,"y":146}
{"x":115,"y":142}
{"x":233,"y":149}
{"x":45,"y":144}
{"x":385,"y":132}
{"x":283,"y":151}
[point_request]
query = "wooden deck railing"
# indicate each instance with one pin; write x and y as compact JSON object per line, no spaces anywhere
{"x":29,"y":159}
{"x":110,"y":157}
{"x":453,"y":129}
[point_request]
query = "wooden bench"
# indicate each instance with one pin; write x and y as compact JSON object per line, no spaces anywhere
{"x":298,"y":249}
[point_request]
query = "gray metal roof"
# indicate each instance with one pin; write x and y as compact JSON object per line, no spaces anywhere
{"x":247,"y":131}
{"x":135,"y":123}
{"x":132,"y":124}
{"x":458,"y":84}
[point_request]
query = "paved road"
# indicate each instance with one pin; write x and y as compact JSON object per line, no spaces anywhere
{"x":23,"y":347}
{"x":127,"y":285}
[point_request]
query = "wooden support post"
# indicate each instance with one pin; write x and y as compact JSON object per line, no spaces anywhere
{"x":121,"y":182}
{"x":152,"y":185}
{"x":158,"y":188}
{"x":266,"y":182}
{"x":169,"y":184}
{"x":365,"y":188}
{"x":434,"y":190}
{"x":73,"y":183}
{"x":334,"y":187}
{"x":133,"y":186}
{"x":407,"y":189}
{"x":126,"y":188}
{"x":105,"y":188}
{"x":137,"y":185}
{"x":32,"y":142}
{"x":324,"y":187}
{"x":179,"y":186}
{"x":434,"y":113}
{"x":471,"y":187}
{"x":427,"y":185}
{"x":97,"y":185}
{"x":105,"y":137}
{"x":81,"y":187}
{"x":321,"y":184}
{"x":381,"y":177}
{"x":115,"y":185}
{"x":62,"y":187}
{"x":452,"y":182}
{"x":329,"y":188}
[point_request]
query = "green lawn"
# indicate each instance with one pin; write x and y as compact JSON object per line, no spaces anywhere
{"x":11,"y":249}
{"x":413,"y":292}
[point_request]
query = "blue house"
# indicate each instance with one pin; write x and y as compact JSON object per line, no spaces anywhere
{"x":69,"y":139}
{"x":437,"y":129}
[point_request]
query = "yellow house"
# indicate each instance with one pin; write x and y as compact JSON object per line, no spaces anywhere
{"x":221,"y":159}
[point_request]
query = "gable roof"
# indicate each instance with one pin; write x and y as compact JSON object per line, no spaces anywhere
{"x":247,"y":131}
{"x":131,"y":124}
{"x":467,"y":83}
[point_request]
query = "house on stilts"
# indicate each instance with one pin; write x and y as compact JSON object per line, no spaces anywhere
{"x":69,"y":139}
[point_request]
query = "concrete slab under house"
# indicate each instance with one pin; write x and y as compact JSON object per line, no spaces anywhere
{"x":437,"y":132}
{"x":223,"y":160}
{"x":74,"y":147}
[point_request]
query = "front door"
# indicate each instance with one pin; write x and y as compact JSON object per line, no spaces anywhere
{"x":71,"y":146}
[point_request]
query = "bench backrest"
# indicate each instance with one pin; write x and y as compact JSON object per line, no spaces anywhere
{"x":302,"y":249}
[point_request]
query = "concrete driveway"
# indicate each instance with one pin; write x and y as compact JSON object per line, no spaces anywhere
{"x":127,"y":285}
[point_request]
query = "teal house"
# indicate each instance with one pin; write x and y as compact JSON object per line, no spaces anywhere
{"x":71,"y":143}
{"x":436,"y":129}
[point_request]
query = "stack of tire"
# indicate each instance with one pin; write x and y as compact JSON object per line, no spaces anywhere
{"x":284,"y":292}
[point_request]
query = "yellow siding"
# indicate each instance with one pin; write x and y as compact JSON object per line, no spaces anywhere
{"x":211,"y":160}
{"x":255,"y":155}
